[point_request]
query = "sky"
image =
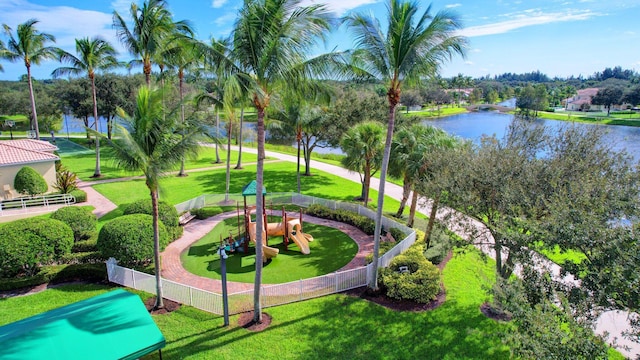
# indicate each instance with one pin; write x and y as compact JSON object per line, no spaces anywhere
{"x":557,"y":37}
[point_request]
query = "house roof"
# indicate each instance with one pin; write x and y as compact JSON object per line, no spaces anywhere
{"x":19,"y":152}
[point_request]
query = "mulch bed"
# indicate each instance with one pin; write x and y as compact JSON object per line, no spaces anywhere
{"x":169,"y":306}
{"x":246,"y":321}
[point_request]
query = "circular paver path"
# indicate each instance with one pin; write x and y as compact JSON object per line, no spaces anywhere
{"x":172,"y":268}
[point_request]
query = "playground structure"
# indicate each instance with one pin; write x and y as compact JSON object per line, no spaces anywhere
{"x":288,"y":229}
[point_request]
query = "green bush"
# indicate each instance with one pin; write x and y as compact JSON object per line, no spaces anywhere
{"x":420,"y":282}
{"x":66,"y":180}
{"x":129,"y":239}
{"x":81,"y":220}
{"x":207,"y":212}
{"x":58,"y":274}
{"x":87,"y":257}
{"x":167,"y":213}
{"x":80,"y":195}
{"x":29,"y":182}
{"x":26,"y":244}
{"x":361,"y":222}
{"x":85,"y":245}
{"x":441,"y":244}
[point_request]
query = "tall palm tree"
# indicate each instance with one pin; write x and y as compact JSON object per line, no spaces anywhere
{"x":93,"y":54}
{"x":152,"y":24}
{"x":29,"y":45}
{"x":2,"y":50}
{"x":271,"y":41}
{"x":151,"y":142}
{"x":414,"y":46}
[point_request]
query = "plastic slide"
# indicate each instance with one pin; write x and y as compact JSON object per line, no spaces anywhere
{"x":267,"y":251}
{"x":301,"y":239}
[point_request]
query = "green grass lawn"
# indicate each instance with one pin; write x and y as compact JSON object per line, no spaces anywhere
{"x":330,"y":327}
{"x":444,"y":111}
{"x":84,"y":164}
{"x":593,"y":118}
{"x":279,"y":177}
{"x":330,"y":250}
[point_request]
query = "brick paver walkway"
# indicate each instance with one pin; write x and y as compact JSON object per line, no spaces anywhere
{"x":172,"y":265}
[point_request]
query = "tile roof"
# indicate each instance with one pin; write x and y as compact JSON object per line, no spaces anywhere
{"x":12,"y":152}
{"x":31,"y":144}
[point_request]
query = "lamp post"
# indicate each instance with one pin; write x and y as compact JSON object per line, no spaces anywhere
{"x":223,"y":269}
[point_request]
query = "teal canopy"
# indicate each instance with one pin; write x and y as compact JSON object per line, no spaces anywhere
{"x":115,"y":325}
{"x":251,"y":189}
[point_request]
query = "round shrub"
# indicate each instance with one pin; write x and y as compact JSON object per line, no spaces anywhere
{"x":30,"y":182}
{"x":411,"y":277}
{"x":28,"y":243}
{"x":80,"y":195}
{"x":167,"y":213}
{"x":129,"y":239}
{"x":81,"y":220}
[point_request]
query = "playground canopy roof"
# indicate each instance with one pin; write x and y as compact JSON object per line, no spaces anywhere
{"x":251,"y":189}
{"x":115,"y":325}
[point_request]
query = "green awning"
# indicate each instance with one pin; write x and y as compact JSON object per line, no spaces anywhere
{"x":115,"y":325}
{"x":251,"y":189}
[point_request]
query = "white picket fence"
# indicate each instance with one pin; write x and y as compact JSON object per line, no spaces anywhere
{"x":271,"y":295}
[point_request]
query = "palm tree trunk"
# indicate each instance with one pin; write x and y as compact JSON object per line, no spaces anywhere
{"x":307,"y":160}
{"x":365,"y":185}
{"x":181,"y":82}
{"x":218,"y":161}
{"x":97,"y":173}
{"x":33,"y":104}
{"x":432,"y":219}
{"x":146,"y":68}
{"x":156,"y":249}
{"x":257,"y":306}
{"x":406,"y":190}
{"x":412,"y":209}
{"x":239,"y":164}
{"x":383,"y":178}
{"x":298,"y":138}
{"x":228,"y":180}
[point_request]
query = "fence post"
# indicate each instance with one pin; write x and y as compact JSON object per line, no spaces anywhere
{"x":301,"y":289}
{"x":190,"y":296}
{"x":335,"y":276}
{"x":133,"y":278}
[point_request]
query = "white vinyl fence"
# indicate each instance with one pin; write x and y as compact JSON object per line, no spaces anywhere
{"x":272,"y":295}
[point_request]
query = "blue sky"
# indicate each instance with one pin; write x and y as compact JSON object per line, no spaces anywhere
{"x":557,"y":37}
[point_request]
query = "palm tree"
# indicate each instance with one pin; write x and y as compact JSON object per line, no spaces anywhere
{"x":2,"y":50}
{"x":362,"y":145}
{"x":152,"y":24}
{"x":414,"y":46}
{"x":153,"y":144}
{"x":93,"y":54}
{"x":271,"y":40}
{"x":29,"y":46}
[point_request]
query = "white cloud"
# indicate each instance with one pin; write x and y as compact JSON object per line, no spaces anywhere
{"x":123,"y":7}
{"x":521,"y":21}
{"x":339,"y":6}
{"x":451,"y":6}
{"x":475,"y":50}
{"x":470,"y":63}
{"x":225,"y":19}
{"x":218,"y":3}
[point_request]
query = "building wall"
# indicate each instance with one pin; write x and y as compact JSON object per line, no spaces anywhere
{"x":46,"y":169}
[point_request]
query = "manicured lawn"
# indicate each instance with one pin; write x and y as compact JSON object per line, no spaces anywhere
{"x":330,"y":250}
{"x":330,"y":327}
{"x":560,"y":257}
{"x":433,"y":112}
{"x":593,"y":118}
{"x":84,"y":164}
{"x":279,"y":177}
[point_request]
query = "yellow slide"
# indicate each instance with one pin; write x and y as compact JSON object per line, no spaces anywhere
{"x":267,"y":251}
{"x":301,"y":239}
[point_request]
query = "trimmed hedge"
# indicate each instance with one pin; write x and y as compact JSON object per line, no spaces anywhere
{"x":81,"y":220}
{"x":26,"y":244}
{"x":421,"y":281}
{"x":129,"y":239}
{"x":207,"y":212}
{"x":58,"y":274}
{"x":80,"y":195}
{"x":30,"y":182}
{"x":166,"y":212}
{"x":361,"y":222}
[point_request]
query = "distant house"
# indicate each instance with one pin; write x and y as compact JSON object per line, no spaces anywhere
{"x":582,"y":101}
{"x":15,"y":154}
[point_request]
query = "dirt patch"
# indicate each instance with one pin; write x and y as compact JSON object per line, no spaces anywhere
{"x":492,"y":313}
{"x":246,"y":321}
{"x":169,"y":306}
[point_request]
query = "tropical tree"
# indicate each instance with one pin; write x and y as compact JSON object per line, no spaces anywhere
{"x":153,"y":143}
{"x":363,"y":148}
{"x":29,"y":45}
{"x":607,"y":97}
{"x":2,"y":50}
{"x":93,"y":55}
{"x":414,"y":46}
{"x":152,"y":24}
{"x":271,"y":41}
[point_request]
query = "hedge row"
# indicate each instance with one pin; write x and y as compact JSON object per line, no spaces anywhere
{"x":166,"y":212}
{"x":58,"y":274}
{"x":348,"y":217}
